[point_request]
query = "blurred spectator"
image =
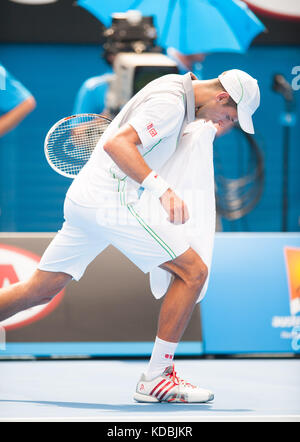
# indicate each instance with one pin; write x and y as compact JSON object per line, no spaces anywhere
{"x":16,"y":102}
{"x":92,"y":94}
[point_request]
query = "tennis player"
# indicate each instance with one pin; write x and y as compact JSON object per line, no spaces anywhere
{"x":102,"y":208}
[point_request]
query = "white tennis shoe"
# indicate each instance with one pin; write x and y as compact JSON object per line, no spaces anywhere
{"x":168,"y":387}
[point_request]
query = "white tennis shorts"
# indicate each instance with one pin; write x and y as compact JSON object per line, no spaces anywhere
{"x":139,"y":230}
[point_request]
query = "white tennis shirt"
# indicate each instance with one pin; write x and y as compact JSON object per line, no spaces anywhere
{"x":159,"y":113}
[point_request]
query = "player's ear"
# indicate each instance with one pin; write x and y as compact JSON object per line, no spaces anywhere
{"x":222,"y":97}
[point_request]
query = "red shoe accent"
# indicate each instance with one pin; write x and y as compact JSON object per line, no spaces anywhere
{"x":161,"y":382}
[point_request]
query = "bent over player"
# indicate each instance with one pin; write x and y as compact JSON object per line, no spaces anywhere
{"x":141,"y":138}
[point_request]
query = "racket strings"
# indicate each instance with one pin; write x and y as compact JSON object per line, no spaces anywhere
{"x":71,"y":143}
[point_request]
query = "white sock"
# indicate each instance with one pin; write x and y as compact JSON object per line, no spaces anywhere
{"x":161,"y":358}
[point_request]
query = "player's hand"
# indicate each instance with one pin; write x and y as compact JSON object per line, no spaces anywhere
{"x":175,"y":207}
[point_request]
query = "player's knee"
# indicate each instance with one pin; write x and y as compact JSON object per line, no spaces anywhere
{"x":190,"y":268}
{"x":41,"y":290}
{"x":47,"y":294}
{"x":197,"y":274}
{"x":42,"y":295}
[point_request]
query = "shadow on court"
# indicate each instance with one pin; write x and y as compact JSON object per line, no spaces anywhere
{"x":136,"y":407}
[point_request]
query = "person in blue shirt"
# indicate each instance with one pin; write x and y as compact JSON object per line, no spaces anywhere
{"x":92,"y":94}
{"x":16,"y":102}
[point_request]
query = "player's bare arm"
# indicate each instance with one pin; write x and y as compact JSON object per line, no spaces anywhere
{"x":122,"y":148}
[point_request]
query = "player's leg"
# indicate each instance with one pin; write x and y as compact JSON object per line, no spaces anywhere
{"x":189,"y":275}
{"x":40,"y":288}
{"x":160,"y":382}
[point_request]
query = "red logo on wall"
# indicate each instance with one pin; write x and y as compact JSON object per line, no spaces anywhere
{"x":18,"y":265}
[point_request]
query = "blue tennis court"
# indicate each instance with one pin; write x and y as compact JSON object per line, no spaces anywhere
{"x":95,"y":390}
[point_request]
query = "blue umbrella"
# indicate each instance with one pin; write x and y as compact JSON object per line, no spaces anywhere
{"x":191,"y":26}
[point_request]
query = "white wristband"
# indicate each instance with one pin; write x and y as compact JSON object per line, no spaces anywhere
{"x":155,"y":184}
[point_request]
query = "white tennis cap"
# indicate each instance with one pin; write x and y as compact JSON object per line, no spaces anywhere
{"x":244,"y":90}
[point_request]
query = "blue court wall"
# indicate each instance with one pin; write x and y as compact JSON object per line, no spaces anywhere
{"x":32,"y":195}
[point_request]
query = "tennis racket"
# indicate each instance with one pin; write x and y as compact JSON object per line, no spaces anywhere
{"x":70,"y":142}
